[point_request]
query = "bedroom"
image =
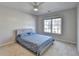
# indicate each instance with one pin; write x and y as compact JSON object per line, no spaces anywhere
{"x":15,"y":17}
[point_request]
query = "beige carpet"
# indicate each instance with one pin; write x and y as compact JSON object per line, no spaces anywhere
{"x":58,"y":49}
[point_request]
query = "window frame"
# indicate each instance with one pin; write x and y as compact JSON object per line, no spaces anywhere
{"x":51,"y":25}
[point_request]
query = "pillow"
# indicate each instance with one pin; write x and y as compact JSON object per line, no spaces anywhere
{"x":29,"y":33}
{"x":25,"y":34}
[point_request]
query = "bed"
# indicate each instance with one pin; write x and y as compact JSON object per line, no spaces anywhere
{"x":33,"y":41}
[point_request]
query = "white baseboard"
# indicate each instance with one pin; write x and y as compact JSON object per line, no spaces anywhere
{"x":4,"y":44}
{"x":66,"y":41}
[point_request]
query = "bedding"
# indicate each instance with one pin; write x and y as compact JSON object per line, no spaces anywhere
{"x":34,"y":42}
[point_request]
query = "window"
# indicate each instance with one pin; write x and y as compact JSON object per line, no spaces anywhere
{"x":53,"y":25}
{"x":56,"y":25}
{"x":47,"y":26}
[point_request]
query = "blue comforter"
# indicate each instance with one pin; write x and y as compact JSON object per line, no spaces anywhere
{"x":36,"y":39}
{"x":35,"y":42}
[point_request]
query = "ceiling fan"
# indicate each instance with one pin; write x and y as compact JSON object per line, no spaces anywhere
{"x":36,"y":5}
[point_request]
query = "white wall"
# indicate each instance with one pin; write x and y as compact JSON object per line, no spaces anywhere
{"x":69,"y":25}
{"x":11,"y":20}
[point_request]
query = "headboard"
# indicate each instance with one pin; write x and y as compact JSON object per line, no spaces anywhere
{"x":20,"y":31}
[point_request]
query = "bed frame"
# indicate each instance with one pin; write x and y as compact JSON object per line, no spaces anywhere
{"x":44,"y":49}
{"x":37,"y":53}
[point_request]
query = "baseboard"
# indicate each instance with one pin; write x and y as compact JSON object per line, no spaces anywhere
{"x":4,"y":44}
{"x":66,"y":41}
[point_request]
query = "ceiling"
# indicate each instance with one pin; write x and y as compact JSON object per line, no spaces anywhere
{"x":44,"y":8}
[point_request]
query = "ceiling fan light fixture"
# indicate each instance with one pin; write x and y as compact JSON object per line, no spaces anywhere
{"x":35,"y":9}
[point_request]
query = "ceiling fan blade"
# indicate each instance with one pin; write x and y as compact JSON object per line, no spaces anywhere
{"x":41,"y":3}
{"x":36,"y":4}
